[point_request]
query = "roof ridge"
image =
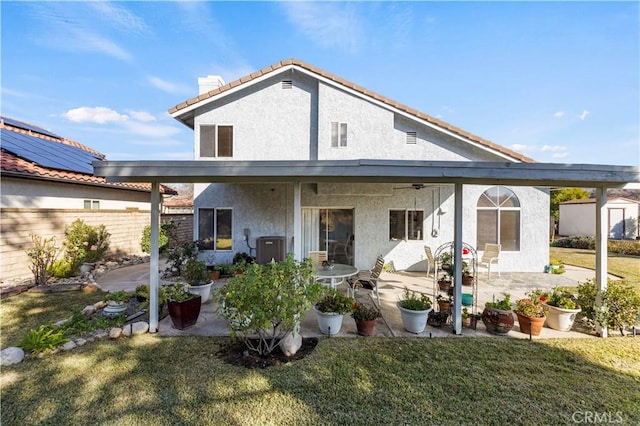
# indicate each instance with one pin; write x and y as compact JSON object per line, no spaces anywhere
{"x":339,"y":80}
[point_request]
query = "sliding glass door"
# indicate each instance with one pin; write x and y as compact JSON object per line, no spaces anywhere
{"x":330,"y":230}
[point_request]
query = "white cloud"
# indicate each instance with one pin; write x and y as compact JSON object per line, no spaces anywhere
{"x":98,"y":115}
{"x":94,"y":42}
{"x":141,"y":116}
{"x":169,"y":87}
{"x":328,"y":24}
{"x":554,"y":148}
{"x":523,"y":148}
{"x":559,"y":114}
{"x":560,"y":155}
{"x":584,"y":114}
{"x":118,"y":17}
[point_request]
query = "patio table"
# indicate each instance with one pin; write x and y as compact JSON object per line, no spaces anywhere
{"x":336,"y":274}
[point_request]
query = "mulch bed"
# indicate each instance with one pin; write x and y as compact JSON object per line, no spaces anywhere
{"x":236,"y":353}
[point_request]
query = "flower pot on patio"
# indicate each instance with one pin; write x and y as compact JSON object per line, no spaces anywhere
{"x":497,"y":321}
{"x":366,"y":327}
{"x":412,"y":320}
{"x":561,"y":319}
{"x":185,"y":314}
{"x":202,"y":290}
{"x":530,"y":325}
{"x":329,"y":323}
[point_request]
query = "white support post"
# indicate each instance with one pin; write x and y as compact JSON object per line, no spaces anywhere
{"x":457,"y":249}
{"x":602,"y":233}
{"x":155,"y":257}
{"x":297,"y":221}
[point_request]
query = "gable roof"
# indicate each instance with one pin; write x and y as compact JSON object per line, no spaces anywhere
{"x":593,"y":201}
{"x":180,"y":109}
{"x":65,"y":159}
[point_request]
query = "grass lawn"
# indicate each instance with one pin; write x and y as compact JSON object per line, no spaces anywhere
{"x":355,"y":381}
{"x":627,"y":267}
{"x":364,"y":381}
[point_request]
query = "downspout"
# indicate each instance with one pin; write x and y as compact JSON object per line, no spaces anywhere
{"x":154,"y":277}
{"x":601,"y":254}
{"x":297,"y":221}
{"x":457,"y":263}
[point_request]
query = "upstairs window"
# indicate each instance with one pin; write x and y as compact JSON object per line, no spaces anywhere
{"x":216,"y":141}
{"x":498,"y":218}
{"x":405,"y":225}
{"x":338,"y":135}
{"x":91,"y":205}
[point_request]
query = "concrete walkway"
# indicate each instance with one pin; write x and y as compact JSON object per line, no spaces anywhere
{"x":391,"y":288}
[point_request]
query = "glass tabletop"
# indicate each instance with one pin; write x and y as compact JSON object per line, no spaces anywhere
{"x":339,"y":270}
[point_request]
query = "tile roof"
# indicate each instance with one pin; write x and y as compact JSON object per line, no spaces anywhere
{"x":12,"y":164}
{"x":340,"y":81}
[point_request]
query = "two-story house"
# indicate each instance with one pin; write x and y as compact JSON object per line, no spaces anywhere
{"x":294,"y":111}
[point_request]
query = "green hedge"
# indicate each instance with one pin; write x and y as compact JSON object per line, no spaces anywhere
{"x":627,"y":247}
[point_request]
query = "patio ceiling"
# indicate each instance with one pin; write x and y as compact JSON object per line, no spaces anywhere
{"x":387,"y":171}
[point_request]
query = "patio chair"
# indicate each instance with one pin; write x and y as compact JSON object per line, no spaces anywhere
{"x":431,"y":263}
{"x":317,"y":257}
{"x":368,"y":280}
{"x":341,"y":249}
{"x":490,"y":256}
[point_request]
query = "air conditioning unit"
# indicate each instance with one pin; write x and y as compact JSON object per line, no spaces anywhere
{"x":270,"y":248}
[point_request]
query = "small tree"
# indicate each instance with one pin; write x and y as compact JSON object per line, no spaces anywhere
{"x":42,"y":255}
{"x":166,"y":229}
{"x":566,"y":194}
{"x":267,"y":301}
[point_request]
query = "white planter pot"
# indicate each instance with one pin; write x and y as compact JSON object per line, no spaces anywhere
{"x":329,"y":322}
{"x":561,"y":319}
{"x":203,"y":290}
{"x":413,"y":321}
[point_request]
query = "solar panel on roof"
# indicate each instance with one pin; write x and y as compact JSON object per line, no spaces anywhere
{"x":47,"y":153}
{"x":26,"y":126}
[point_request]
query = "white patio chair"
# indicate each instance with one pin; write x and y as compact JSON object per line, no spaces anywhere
{"x":490,"y":256}
{"x":431,"y":263}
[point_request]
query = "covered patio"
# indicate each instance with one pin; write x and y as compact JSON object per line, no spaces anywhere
{"x":458,"y":173}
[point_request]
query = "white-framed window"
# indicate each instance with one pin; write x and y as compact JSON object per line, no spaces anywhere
{"x":498,"y":218}
{"x":406,"y":224}
{"x":338,"y":135}
{"x":215,"y":229}
{"x":91,"y":204}
{"x":216,"y":140}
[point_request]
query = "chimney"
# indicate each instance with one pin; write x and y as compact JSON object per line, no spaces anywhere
{"x":208,"y":83}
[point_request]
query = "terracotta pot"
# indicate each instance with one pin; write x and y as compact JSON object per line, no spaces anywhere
{"x":444,"y":306}
{"x":467,"y":280}
{"x":497,"y":321}
{"x":214,"y":275}
{"x":185,"y":314}
{"x":531,"y":326}
{"x":444,"y":285}
{"x":366,"y":327}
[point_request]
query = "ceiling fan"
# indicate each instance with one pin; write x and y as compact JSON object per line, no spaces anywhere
{"x":415,"y":186}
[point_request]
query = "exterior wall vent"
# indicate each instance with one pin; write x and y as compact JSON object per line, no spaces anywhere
{"x":411,"y":137}
{"x":287,"y":84}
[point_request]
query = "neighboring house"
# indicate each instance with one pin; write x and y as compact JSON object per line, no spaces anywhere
{"x":48,"y":182}
{"x":578,"y":217}
{"x":294,"y":111}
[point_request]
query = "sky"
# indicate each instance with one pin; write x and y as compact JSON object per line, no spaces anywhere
{"x":556,"y":81}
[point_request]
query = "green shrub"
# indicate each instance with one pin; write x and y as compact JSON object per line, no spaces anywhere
{"x":624,"y":247}
{"x":502,"y":304}
{"x":42,"y":256}
{"x":163,"y":237}
{"x":46,"y":337}
{"x":84,"y":244}
{"x":621,"y":301}
{"x":62,"y":268}
{"x":268,"y":301}
{"x":178,"y":256}
{"x":78,"y":325}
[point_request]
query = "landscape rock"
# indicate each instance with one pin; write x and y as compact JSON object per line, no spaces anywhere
{"x":11,"y":355}
{"x":60,"y":323}
{"x":99,"y":305}
{"x":69,"y":345}
{"x":81,"y":342}
{"x":91,"y":287}
{"x":88,"y":310}
{"x":291,"y":344}
{"x":101,"y":335}
{"x":115,"y":332}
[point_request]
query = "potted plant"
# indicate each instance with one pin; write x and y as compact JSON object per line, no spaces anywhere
{"x":365,"y":317}
{"x":498,"y":316}
{"x":444,"y":303}
{"x":466,"y":317}
{"x":414,"y":310}
{"x":444,"y":282}
{"x":184,"y":307}
{"x":445,"y":261}
{"x":330,"y":310}
{"x":531,"y":313}
{"x":214,"y":272}
{"x":197,"y":278}
{"x":116,"y":303}
{"x":467,"y":276}
{"x":563,"y":308}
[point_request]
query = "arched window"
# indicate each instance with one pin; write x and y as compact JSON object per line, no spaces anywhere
{"x":499,"y":218}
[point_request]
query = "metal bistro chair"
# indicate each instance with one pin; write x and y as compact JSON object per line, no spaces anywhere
{"x":369,"y":280}
{"x":490,"y":256}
